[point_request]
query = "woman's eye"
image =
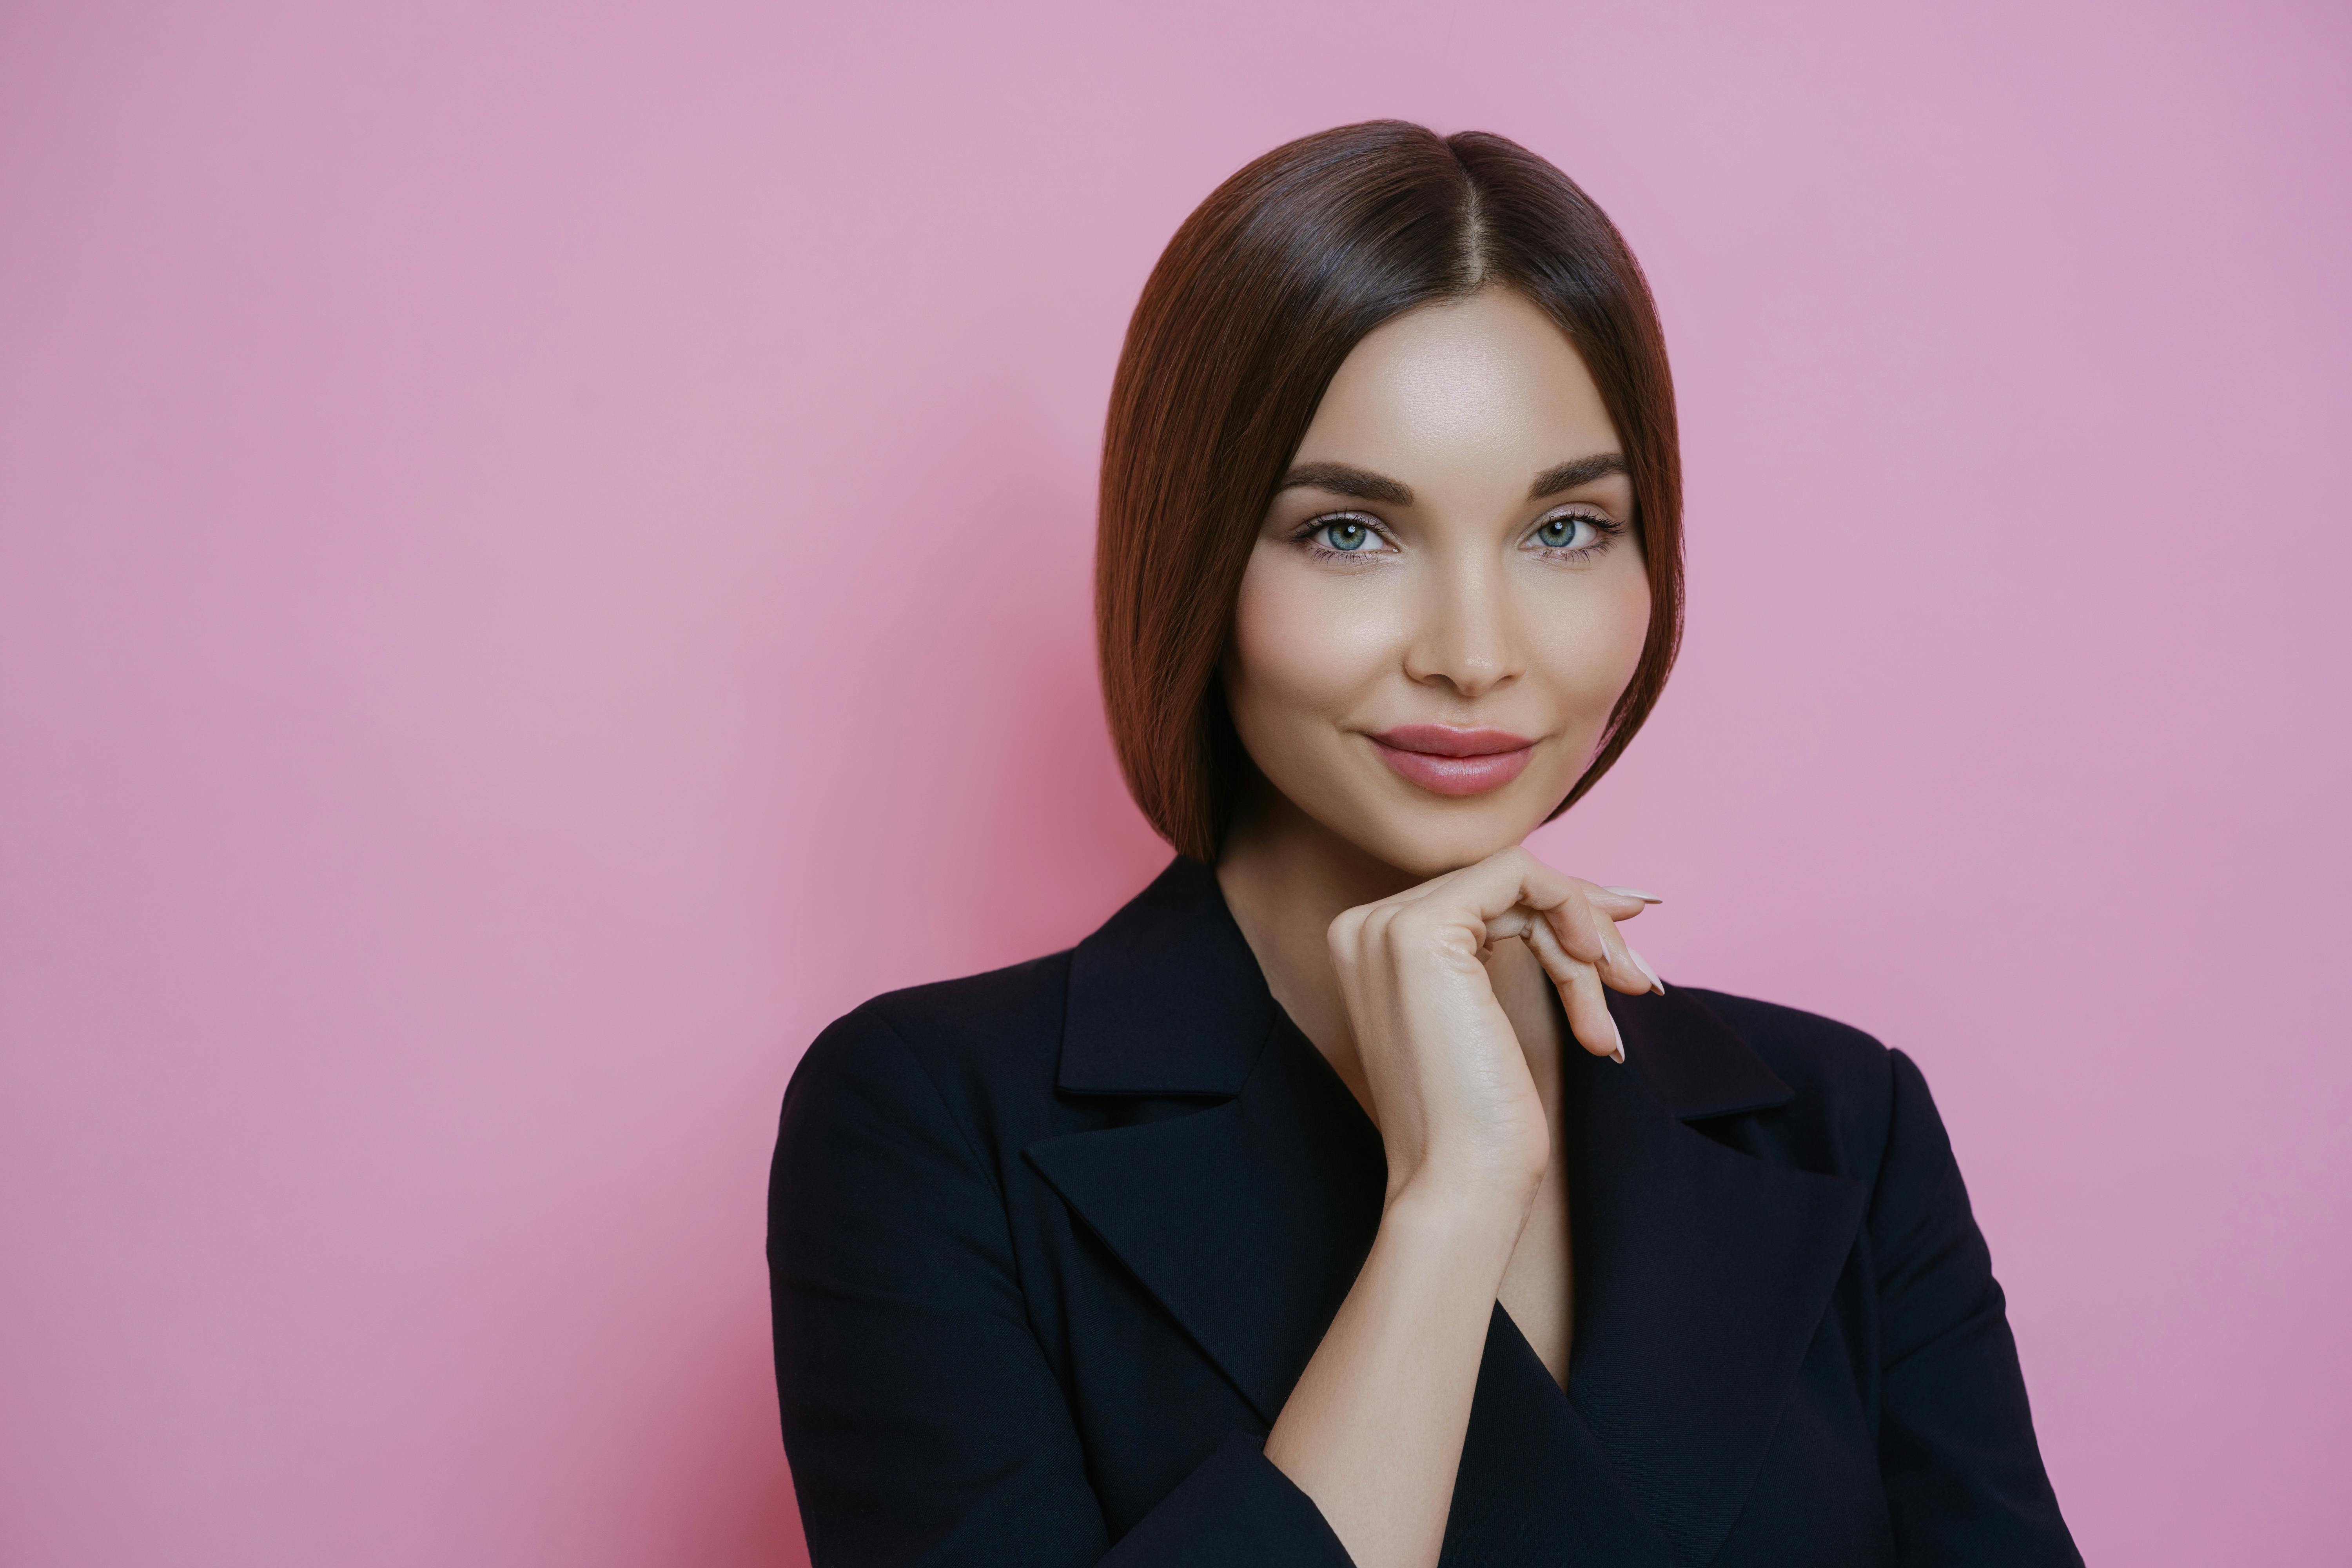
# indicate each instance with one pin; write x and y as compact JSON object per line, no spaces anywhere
{"x":1345,"y":533}
{"x":1556,"y":533}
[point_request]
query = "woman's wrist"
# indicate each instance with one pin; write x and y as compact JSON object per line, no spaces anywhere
{"x":1470,"y":1175}
{"x":1470,"y":1217}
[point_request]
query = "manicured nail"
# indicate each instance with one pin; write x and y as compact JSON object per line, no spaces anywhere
{"x":1648,"y":974}
{"x":1619,"y":1056}
{"x":1634,"y":893}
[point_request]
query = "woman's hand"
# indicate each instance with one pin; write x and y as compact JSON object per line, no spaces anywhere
{"x":1373,"y":1430}
{"x":1449,"y":1079}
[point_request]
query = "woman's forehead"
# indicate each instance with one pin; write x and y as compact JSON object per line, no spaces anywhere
{"x":1486,"y":386}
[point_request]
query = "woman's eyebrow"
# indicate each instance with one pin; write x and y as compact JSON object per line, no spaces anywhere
{"x":1340,"y":479}
{"x":1582,"y":472}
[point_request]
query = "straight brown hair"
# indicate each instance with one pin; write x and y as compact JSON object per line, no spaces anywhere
{"x":1261,"y":293}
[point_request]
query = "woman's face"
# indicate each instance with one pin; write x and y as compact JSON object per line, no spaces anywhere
{"x":1447,"y":595}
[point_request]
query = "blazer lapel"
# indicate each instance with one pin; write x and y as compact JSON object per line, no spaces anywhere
{"x":1246,"y":1220}
{"x":1701,"y":1273}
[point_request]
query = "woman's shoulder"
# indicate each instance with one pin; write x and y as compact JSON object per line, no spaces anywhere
{"x":1844,"y":1086}
{"x":990,"y":1011}
{"x":1164,"y":995}
{"x":976,"y":1040}
{"x":1806,"y":1049}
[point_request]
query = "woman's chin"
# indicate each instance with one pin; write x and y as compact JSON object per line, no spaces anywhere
{"x":1423,"y":844}
{"x":1423,"y":833}
{"x":1415,"y":833}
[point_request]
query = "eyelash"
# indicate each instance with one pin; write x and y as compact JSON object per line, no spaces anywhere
{"x":1606,"y":528}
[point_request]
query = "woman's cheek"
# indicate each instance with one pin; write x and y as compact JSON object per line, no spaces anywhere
{"x":1631,"y":631}
{"x":1593,"y":666}
{"x":1304,"y":643}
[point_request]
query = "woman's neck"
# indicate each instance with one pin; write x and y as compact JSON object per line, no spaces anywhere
{"x":1286,"y":877}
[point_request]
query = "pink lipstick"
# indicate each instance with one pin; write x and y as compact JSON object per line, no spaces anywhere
{"x":1446,"y":761}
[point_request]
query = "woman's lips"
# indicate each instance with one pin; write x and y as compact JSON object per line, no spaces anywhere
{"x":1446,"y":761}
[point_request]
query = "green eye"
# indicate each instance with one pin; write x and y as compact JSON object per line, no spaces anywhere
{"x":1346,"y":534}
{"x":1556,"y":532}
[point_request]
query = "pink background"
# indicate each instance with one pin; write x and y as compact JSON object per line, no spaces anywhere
{"x":546,"y":555}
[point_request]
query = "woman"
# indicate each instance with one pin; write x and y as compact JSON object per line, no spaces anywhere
{"x":1357,"y":1193}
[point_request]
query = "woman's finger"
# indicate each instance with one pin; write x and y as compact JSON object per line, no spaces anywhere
{"x":1500,"y":883}
{"x":1625,"y":964}
{"x":1510,"y":923}
{"x":1490,"y":888}
{"x":1579,"y":928}
{"x":1590,"y":937}
{"x":1620,"y":903}
{"x":1581,"y":994}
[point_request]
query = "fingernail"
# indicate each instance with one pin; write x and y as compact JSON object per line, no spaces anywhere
{"x":1648,"y":974}
{"x":1634,"y":893}
{"x":1619,"y":1056}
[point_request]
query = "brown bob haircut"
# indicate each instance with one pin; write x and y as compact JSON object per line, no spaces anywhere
{"x":1265,"y":288}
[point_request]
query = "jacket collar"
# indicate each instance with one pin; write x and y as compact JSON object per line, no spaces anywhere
{"x":1701,"y":1273}
{"x":1167,"y":999}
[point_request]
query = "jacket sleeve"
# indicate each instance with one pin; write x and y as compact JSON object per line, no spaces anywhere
{"x":922,"y":1420}
{"x":1963,"y":1473}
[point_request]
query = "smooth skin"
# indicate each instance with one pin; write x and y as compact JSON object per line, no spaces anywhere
{"x":1455,"y":546}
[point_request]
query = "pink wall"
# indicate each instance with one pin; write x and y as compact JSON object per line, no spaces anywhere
{"x":543,"y":555}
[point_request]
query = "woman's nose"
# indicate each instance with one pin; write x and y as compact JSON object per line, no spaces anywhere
{"x":1466,"y":633}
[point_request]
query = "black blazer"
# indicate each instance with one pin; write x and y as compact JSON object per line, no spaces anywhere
{"x":1049,"y":1248}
